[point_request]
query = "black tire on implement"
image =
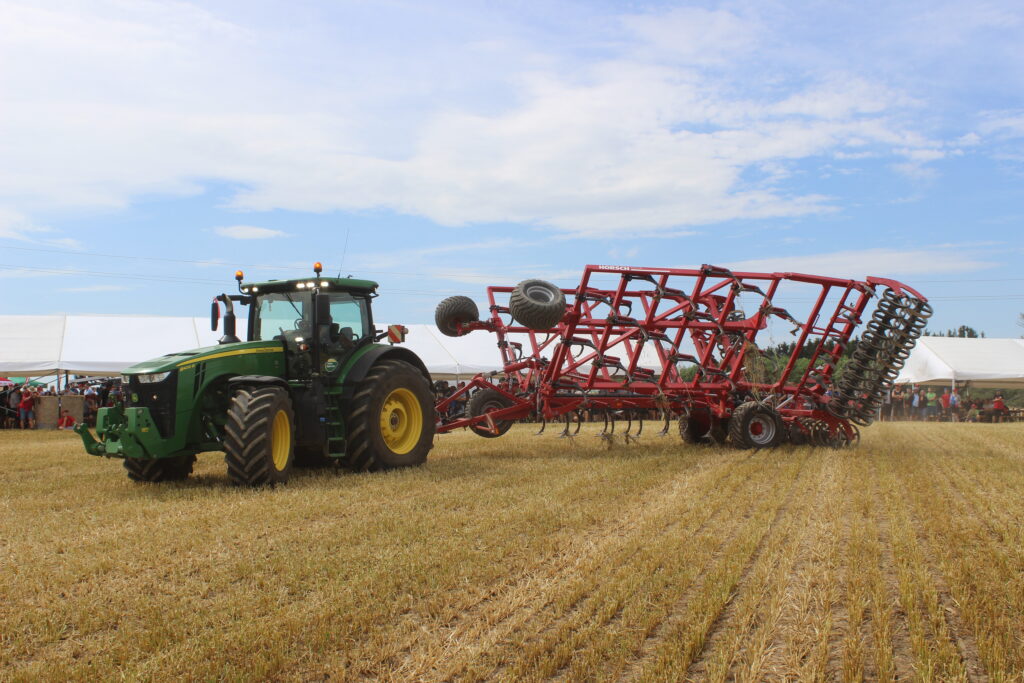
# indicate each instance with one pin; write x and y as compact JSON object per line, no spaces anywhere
{"x":484,"y":401}
{"x":537,"y":304}
{"x":259,"y":437}
{"x":453,"y":311}
{"x":390,"y":419}
{"x":752,"y":425}
{"x":694,"y":425}
{"x":159,"y":469}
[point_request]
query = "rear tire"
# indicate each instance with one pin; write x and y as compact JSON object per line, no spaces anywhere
{"x":454,"y":311}
{"x":390,"y":419}
{"x":754,"y":426}
{"x":159,"y":469}
{"x":484,"y":401}
{"x":259,"y":437}
{"x":537,"y":305}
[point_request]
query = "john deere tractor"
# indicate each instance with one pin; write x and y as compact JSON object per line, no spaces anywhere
{"x":310,"y":386}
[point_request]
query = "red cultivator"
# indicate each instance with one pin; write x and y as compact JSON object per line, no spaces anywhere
{"x":682,"y":344}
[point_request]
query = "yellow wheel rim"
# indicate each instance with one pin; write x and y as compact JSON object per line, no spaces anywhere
{"x":401,"y":421}
{"x":281,"y":440}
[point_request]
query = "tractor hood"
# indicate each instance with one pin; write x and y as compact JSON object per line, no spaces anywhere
{"x":181,"y":359}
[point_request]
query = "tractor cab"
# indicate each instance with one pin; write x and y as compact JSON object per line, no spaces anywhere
{"x":320,"y":321}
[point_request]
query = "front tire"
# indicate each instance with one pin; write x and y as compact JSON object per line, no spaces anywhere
{"x":159,"y":469}
{"x":390,"y":419}
{"x":259,"y":437}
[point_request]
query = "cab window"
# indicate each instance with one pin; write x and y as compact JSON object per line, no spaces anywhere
{"x":280,"y":313}
{"x":350,"y":312}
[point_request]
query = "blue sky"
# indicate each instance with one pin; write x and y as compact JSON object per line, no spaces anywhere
{"x":147,"y":149}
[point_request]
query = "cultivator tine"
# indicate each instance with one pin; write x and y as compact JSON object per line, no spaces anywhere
{"x":634,"y":438}
{"x":607,"y":434}
{"x":565,"y":434}
{"x":668,"y":423}
{"x":543,"y":426}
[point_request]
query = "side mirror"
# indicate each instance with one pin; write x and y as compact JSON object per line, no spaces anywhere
{"x":214,"y":315}
{"x":323,"y":310}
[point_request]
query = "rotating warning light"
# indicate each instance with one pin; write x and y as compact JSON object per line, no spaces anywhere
{"x":317,"y":268}
{"x":239,"y":275}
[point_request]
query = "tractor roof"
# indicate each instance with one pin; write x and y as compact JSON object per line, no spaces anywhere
{"x":338,"y":283}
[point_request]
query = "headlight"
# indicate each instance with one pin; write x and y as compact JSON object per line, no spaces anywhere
{"x":153,"y":378}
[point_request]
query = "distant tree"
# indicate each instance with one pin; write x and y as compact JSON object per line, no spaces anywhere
{"x":963,"y":332}
{"x":1020,"y":320}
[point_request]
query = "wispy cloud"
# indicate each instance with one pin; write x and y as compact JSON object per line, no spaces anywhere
{"x":248,"y":232}
{"x":95,"y":288}
{"x":877,"y":262}
{"x":675,"y":124}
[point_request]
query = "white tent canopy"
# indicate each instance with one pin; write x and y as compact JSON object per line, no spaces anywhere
{"x":986,"y":363}
{"x":33,"y":345}
{"x":38,"y":345}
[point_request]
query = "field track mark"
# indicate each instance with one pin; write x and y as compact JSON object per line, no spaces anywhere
{"x":939,"y":640}
{"x":585,"y":615}
{"x":959,"y":634}
{"x":902,"y":651}
{"x":697,"y":667}
{"x":714,"y":514}
{"x":508,"y":607}
{"x":793,"y":649}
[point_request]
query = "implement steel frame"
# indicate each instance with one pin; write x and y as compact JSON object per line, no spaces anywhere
{"x":644,"y":310}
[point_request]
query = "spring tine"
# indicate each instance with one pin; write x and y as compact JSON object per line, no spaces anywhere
{"x":543,"y":426}
{"x":565,"y":430}
{"x":668,"y":423}
{"x":641,"y":429}
{"x":629,"y":424}
{"x":579,"y":422}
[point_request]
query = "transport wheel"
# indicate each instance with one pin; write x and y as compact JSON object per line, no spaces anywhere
{"x":390,"y":419}
{"x":537,"y":304}
{"x":719,"y":432}
{"x":453,"y":311}
{"x":695,"y":424}
{"x":797,"y":435}
{"x":755,"y":426}
{"x":259,"y":437}
{"x":484,"y":401}
{"x":159,"y":469}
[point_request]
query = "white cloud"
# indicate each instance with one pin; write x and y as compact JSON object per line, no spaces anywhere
{"x":248,"y":232}
{"x":651,"y":136}
{"x":877,"y":262}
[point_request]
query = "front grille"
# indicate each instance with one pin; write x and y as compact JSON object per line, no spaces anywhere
{"x":159,"y":397}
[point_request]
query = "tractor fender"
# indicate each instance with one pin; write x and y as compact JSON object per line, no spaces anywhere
{"x":257,"y":380}
{"x":357,"y":371}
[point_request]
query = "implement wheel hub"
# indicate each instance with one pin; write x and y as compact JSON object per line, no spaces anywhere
{"x":401,"y":421}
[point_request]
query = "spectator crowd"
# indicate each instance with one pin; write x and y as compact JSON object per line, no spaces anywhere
{"x":927,"y":404}
{"x":19,"y":403}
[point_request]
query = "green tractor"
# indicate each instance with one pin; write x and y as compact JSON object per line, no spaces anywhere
{"x":311,"y":386}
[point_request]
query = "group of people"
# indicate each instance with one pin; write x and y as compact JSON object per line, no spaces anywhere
{"x":19,"y":404}
{"x":927,"y":404}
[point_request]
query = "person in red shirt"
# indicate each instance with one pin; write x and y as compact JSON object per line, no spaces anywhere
{"x":26,"y":414}
{"x":999,"y":410}
{"x":65,"y":421}
{"x":944,"y":402}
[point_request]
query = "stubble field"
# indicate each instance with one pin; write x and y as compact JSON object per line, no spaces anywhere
{"x":526,"y":558}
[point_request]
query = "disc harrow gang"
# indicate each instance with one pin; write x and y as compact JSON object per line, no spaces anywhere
{"x":681,"y":344}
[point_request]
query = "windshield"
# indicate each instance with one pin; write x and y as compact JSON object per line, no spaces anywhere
{"x":280,"y":313}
